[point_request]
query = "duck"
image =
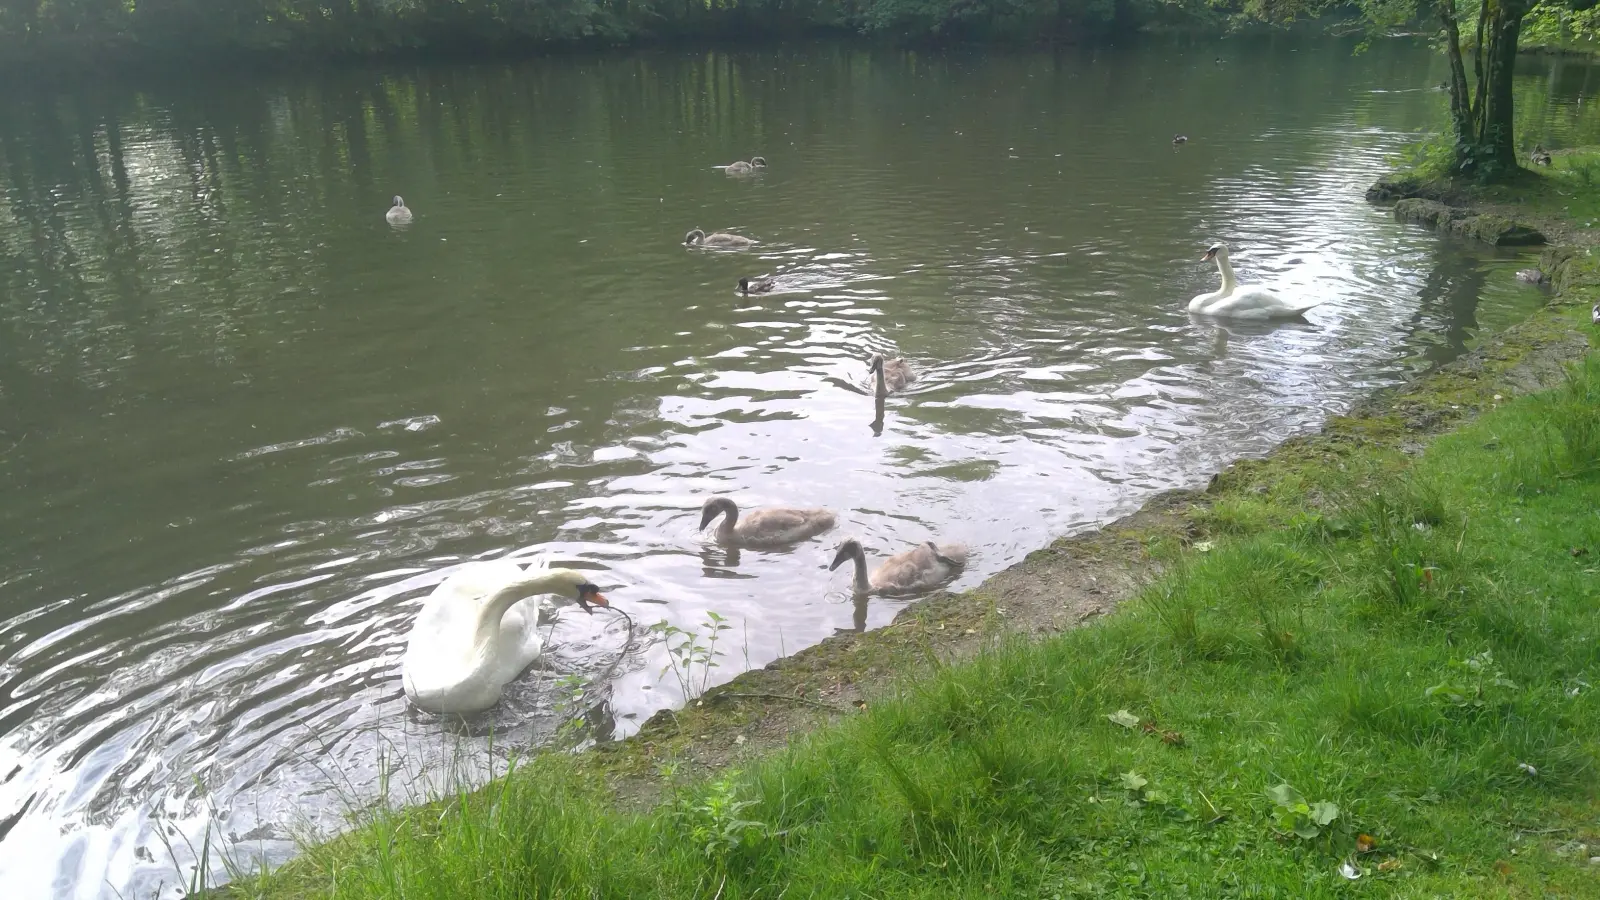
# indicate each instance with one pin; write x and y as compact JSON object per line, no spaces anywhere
{"x":1237,"y":302}
{"x":398,"y":214}
{"x":475,"y":634}
{"x":1532,"y":276}
{"x":698,"y":238}
{"x":890,"y":374}
{"x":1180,"y":139}
{"x":757,"y":285}
{"x":1540,"y":156}
{"x":771,"y":526}
{"x":924,"y":566}
{"x":745,"y":168}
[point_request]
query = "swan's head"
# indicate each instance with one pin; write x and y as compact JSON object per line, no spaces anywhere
{"x":714,"y":507}
{"x":1215,"y":251}
{"x":577,"y":585}
{"x":398,"y":201}
{"x":875,"y":364}
{"x":758,"y":161}
{"x":848,"y":550}
{"x":744,"y":285}
{"x":694,"y":237}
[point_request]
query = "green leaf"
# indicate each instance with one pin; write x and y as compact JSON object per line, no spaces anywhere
{"x":1133,"y":781}
{"x":1324,"y":813}
{"x":1124,"y":718}
{"x":1286,"y":796}
{"x":1306,"y":830}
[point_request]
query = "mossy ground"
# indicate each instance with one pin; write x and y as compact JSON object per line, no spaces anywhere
{"x":1397,"y":625}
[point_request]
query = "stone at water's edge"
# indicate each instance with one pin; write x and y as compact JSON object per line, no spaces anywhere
{"x":1485,"y":227}
{"x":1392,"y":188}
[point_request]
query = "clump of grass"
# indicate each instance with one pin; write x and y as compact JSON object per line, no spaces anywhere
{"x":1573,"y":417}
{"x":1402,"y":690}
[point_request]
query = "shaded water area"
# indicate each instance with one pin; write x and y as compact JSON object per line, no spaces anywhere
{"x":246,"y":425}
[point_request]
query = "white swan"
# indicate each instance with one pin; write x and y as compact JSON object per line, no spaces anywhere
{"x":398,"y":214}
{"x":1237,"y":302}
{"x":773,"y":526}
{"x":925,"y":566}
{"x":474,"y":634}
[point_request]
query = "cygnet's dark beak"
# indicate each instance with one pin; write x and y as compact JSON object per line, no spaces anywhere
{"x":706,"y":517}
{"x":839,"y":558}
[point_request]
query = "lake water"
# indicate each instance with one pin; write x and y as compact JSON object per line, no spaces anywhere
{"x":245,"y":425}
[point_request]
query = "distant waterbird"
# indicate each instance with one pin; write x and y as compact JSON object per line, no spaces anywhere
{"x":398,"y":214}
{"x":717,"y":239}
{"x":1180,"y":139}
{"x":890,"y":374}
{"x":762,"y":285}
{"x":771,"y":526}
{"x":745,"y":168}
{"x":924,"y":566}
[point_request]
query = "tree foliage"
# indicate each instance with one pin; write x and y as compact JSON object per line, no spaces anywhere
{"x":1481,"y":114}
{"x":37,"y":29}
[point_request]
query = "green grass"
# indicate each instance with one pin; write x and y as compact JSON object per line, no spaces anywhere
{"x":1401,"y":649}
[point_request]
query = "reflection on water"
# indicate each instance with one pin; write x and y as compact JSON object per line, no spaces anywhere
{"x":245,"y":425}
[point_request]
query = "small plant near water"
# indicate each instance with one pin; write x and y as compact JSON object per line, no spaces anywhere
{"x":714,"y":820}
{"x":690,"y":653}
{"x":1573,"y":414}
{"x":1296,"y":816}
{"x":1473,"y":683}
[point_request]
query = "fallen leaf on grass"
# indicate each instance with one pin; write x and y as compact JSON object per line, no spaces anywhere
{"x":1503,"y":867}
{"x":1390,"y":865}
{"x":1124,"y":718}
{"x":1365,"y":843}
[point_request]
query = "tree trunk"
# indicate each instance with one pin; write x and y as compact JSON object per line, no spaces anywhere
{"x":1481,"y":118}
{"x":1498,"y":151}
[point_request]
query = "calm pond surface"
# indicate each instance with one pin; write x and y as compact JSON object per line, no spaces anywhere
{"x":245,"y":425}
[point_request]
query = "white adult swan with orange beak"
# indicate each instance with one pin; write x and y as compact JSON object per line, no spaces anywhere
{"x":475,"y":634}
{"x":1235,"y":302}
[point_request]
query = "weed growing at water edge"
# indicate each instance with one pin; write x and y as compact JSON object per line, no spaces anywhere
{"x":688,"y":651}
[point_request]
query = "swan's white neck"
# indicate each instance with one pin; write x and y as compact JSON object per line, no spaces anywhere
{"x":538,"y":581}
{"x":1226,"y":268}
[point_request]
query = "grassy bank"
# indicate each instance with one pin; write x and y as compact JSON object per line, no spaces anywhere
{"x":1360,"y":654}
{"x":1368,"y":662}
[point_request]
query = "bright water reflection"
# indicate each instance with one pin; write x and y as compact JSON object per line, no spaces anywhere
{"x":245,"y":425}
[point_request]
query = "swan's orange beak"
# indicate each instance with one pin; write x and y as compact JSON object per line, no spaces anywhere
{"x":589,"y":595}
{"x":1210,"y":255}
